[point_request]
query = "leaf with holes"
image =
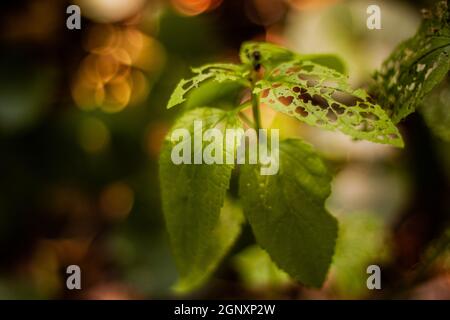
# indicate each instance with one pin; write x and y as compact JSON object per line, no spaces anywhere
{"x":219,"y":72}
{"x":416,"y":66}
{"x":321,"y":97}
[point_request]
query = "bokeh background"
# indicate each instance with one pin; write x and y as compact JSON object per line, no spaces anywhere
{"x":82,"y":118}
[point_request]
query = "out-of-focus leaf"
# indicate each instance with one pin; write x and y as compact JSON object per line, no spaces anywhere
{"x":24,"y":95}
{"x":192,"y":197}
{"x":322,"y":97}
{"x":436,"y":110}
{"x":286,"y":212}
{"x":257,"y":270}
{"x":416,"y":65}
{"x":361,"y":242}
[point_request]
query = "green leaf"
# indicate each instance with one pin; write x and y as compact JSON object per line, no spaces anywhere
{"x":219,"y":95}
{"x":286,"y":212}
{"x":322,"y":97}
{"x":192,"y":198}
{"x":416,"y":65}
{"x":326,"y":60}
{"x":219,"y":72}
{"x":265,"y":53}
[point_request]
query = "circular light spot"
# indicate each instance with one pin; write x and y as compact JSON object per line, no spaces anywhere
{"x":116,"y":201}
{"x":93,"y":135}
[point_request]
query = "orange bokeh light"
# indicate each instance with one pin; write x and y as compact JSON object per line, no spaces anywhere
{"x":111,"y":76}
{"x":194,"y":7}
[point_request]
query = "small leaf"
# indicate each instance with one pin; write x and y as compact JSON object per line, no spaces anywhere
{"x":192,"y":197}
{"x":265,"y":53}
{"x":416,"y":65}
{"x":321,"y":97}
{"x":270,"y":55}
{"x":286,"y":212}
{"x":219,"y":72}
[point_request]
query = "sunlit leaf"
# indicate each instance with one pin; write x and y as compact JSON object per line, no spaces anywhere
{"x":322,"y":97}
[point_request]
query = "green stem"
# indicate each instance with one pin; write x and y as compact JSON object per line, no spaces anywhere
{"x":255,"y":104}
{"x":242,"y":107}
{"x":256,"y":113}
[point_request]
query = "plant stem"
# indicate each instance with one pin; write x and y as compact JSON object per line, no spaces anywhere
{"x":243,"y":106}
{"x":256,"y":113}
{"x":255,"y":103}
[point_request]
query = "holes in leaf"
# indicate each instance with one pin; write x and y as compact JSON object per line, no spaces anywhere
{"x":370,"y":99}
{"x":298,"y":89}
{"x":265,"y":93}
{"x":331,"y":116}
{"x":292,"y":70}
{"x":306,"y":77}
{"x":363,"y":105}
{"x":369,"y":115}
{"x":330,"y":84}
{"x":276,"y":85}
{"x":345,"y":98}
{"x":365,"y":126}
{"x":312,"y":83}
{"x":319,"y":101}
{"x":286,"y":100}
{"x":187,"y":85}
{"x":301,"y":111}
{"x":320,"y":122}
{"x":305,"y":97}
{"x":337,"y":108}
